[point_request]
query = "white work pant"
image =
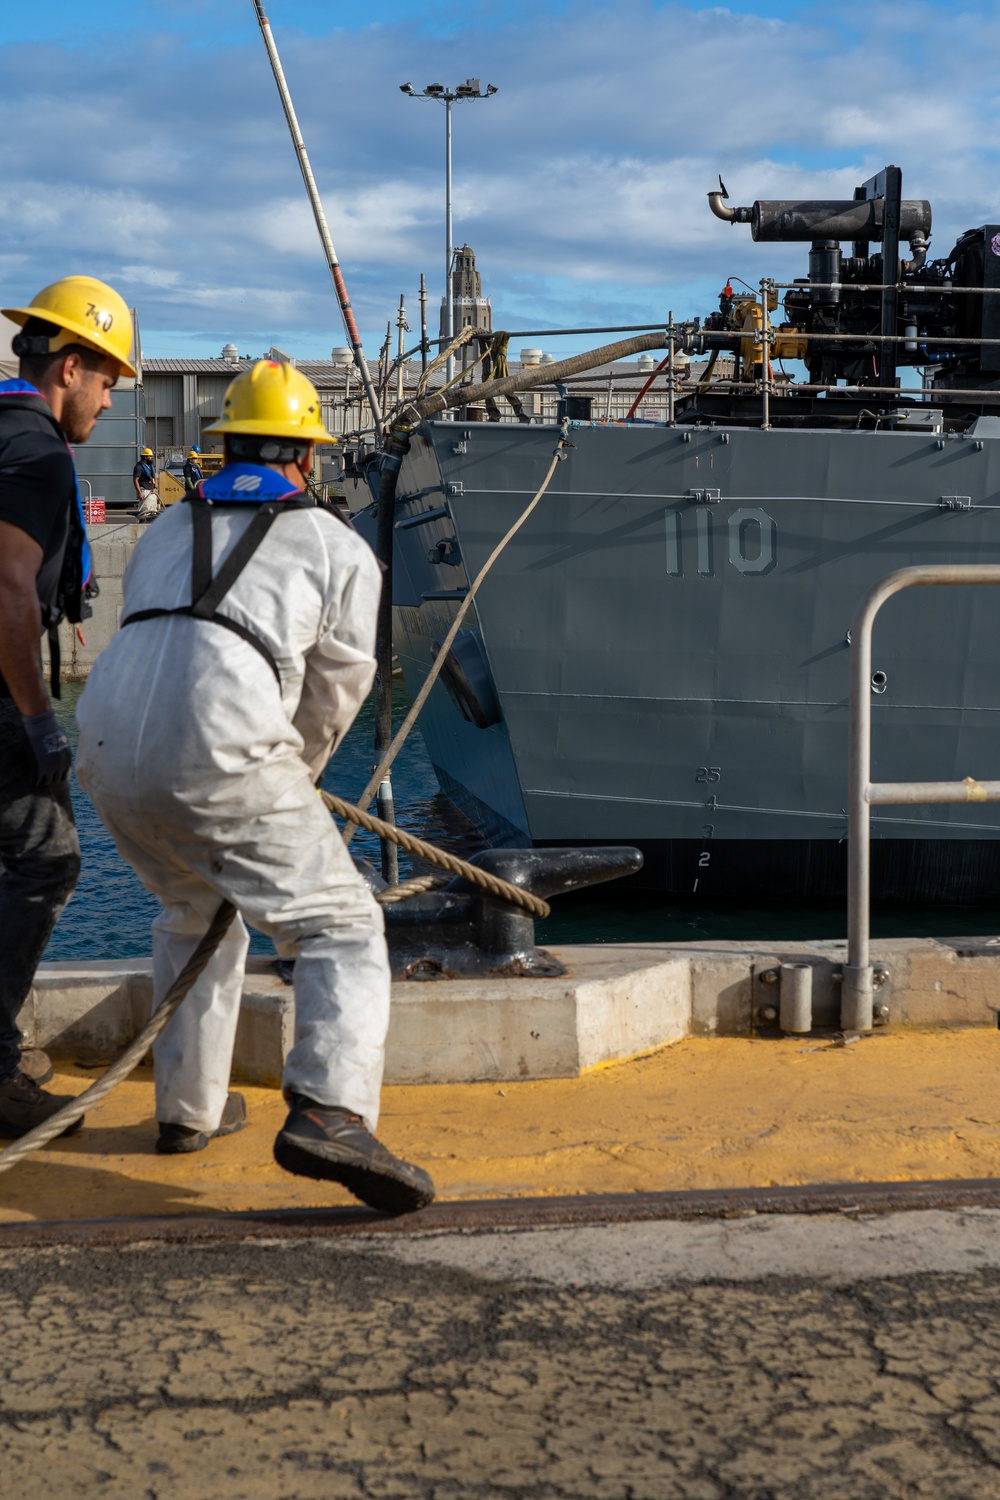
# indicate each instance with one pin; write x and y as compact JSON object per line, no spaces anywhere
{"x":149,"y":505}
{"x":264,"y":841}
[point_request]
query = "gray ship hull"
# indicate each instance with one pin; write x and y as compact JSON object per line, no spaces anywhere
{"x":666,"y":639}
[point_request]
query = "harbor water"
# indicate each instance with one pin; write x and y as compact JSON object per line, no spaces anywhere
{"x":110,"y":914}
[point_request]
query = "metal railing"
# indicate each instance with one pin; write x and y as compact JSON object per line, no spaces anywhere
{"x":857,"y":991}
{"x":763,"y":383}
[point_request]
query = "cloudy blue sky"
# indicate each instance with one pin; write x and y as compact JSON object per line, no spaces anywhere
{"x":145,"y":144}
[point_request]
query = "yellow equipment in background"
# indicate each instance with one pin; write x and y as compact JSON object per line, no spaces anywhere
{"x":170,"y":488}
{"x":171,"y":483}
{"x":785,"y":341}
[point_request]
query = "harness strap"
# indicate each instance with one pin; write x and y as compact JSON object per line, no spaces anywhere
{"x":55,"y":661}
{"x":216,"y":619}
{"x":201,"y":560}
{"x":207,"y":592}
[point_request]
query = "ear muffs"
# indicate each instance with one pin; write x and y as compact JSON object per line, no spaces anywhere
{"x":266,"y":450}
{"x":23,"y":344}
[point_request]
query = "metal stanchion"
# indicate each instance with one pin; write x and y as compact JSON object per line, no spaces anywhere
{"x":390,"y":852}
{"x":857,"y":990}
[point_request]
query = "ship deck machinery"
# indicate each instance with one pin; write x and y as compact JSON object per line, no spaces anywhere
{"x":660,"y":656}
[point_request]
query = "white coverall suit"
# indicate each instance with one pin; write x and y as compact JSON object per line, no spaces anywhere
{"x":203,"y":771}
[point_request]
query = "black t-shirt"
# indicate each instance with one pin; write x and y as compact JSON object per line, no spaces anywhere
{"x":145,"y":473}
{"x":37,"y":487}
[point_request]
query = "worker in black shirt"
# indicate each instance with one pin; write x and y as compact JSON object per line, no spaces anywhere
{"x":74,"y":343}
{"x":192,"y":471}
{"x":144,"y":484}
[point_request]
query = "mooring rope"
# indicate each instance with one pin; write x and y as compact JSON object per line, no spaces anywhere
{"x":134,"y":1052}
{"x":359,"y":818}
{"x":406,"y":888}
{"x":492,"y":883}
{"x":438,"y":663}
{"x":207,"y":947}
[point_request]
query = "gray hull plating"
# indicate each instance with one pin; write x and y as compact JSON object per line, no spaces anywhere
{"x":667,"y":638}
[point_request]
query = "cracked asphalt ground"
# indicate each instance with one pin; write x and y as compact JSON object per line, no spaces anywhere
{"x":425,"y":1368}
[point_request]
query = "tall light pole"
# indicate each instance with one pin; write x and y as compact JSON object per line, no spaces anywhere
{"x":470,"y":89}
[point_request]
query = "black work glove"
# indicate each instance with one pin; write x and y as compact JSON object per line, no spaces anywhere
{"x":50,"y":747}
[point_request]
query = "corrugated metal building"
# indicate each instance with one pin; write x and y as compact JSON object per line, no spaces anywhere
{"x":104,"y":465}
{"x":184,"y":396}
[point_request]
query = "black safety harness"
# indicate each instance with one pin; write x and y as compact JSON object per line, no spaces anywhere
{"x":208,"y":592}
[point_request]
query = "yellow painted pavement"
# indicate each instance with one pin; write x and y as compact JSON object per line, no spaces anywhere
{"x":705,"y":1113}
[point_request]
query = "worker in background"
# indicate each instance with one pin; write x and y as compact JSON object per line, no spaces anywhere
{"x":74,"y":343}
{"x":192,"y":471}
{"x":244,"y":653}
{"x":144,"y":484}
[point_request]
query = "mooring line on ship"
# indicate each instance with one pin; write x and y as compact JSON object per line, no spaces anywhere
{"x":437,"y":664}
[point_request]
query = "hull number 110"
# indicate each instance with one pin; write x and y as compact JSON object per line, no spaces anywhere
{"x":695,"y":535}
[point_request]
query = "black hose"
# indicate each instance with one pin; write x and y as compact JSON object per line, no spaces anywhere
{"x":396,"y":448}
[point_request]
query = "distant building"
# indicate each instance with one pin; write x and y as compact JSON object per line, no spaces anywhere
{"x":470,"y":309}
{"x":184,"y":396}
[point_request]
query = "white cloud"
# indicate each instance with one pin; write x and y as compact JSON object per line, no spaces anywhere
{"x":581,"y":185}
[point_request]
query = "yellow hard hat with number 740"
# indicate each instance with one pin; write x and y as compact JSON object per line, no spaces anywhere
{"x":88,"y":311}
{"x":272,"y":400}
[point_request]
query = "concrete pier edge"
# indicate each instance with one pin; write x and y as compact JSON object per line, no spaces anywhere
{"x":615,"y":1002}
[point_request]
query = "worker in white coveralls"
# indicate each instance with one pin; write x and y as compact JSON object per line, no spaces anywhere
{"x":245,"y":652}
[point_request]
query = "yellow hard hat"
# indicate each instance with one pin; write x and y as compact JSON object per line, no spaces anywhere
{"x":147,"y":452}
{"x":272,"y":400}
{"x":193,"y":454}
{"x":89,"y":311}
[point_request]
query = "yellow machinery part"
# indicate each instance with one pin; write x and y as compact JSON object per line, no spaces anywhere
{"x":786,"y":342}
{"x":170,"y":489}
{"x":790,"y":343}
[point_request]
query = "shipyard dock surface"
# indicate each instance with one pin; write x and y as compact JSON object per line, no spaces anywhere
{"x":837,"y":1353}
{"x":706,"y":1113}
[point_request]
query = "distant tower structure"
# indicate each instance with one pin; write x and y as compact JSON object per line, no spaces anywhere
{"x":469,"y":306}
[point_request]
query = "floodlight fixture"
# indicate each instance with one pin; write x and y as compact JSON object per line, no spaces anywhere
{"x":470,"y":89}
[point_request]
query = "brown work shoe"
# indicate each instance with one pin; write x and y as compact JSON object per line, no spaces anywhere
{"x":37,"y":1066}
{"x":335,"y":1145}
{"x":23,"y":1105}
{"x":175,"y":1139}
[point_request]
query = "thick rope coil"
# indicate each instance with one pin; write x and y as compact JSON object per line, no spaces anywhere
{"x":492,"y":883}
